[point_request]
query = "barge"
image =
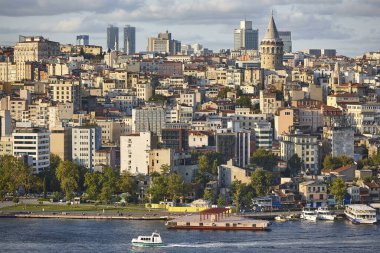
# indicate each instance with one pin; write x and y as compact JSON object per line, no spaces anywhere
{"x":217,"y":219}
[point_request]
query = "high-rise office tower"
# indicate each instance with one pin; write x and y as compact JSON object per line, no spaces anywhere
{"x":271,"y":48}
{"x":83,"y":40}
{"x":245,"y":37}
{"x":113,"y":37}
{"x":286,"y":37}
{"x":129,"y":39}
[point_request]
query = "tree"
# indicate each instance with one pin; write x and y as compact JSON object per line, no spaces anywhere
{"x":49,"y":175}
{"x":294,"y":165}
{"x":13,"y":175}
{"x":158,"y":98}
{"x":126,"y":183}
{"x":214,"y":167}
{"x":264,"y":158}
{"x":333,"y":163}
{"x":68,"y":176}
{"x":244,"y":101}
{"x":109,"y":184}
{"x":237,"y":194}
{"x":158,"y":188}
{"x":175,"y":186}
{"x":92,"y":183}
{"x":261,"y":181}
{"x":223,"y":92}
{"x":221,"y":201}
{"x":338,"y":189}
{"x":208,"y":195}
{"x":203,"y":164}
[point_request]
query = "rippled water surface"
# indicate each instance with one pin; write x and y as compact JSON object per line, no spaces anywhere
{"x":45,"y":235}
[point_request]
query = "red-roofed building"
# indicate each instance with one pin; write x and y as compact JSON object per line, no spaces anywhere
{"x":347,"y":173}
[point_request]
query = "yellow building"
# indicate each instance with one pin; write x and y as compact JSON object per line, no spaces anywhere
{"x":35,"y":48}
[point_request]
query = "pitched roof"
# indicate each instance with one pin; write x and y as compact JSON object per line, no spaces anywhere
{"x":271,"y":32}
{"x":344,"y":168}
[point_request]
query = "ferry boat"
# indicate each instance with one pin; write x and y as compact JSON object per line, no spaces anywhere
{"x":323,"y":213}
{"x":360,"y":214}
{"x":148,"y":241}
{"x":308,"y":214}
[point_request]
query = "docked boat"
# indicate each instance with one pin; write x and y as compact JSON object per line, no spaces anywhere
{"x":280,"y":218}
{"x":323,"y":213}
{"x":148,"y":241}
{"x":217,"y":219}
{"x":360,"y":214}
{"x":308,"y":214}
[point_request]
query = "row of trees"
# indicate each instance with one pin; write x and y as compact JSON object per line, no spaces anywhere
{"x":15,"y":175}
{"x":63,"y":176}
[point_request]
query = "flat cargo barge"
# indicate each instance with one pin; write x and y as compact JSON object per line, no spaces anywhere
{"x":217,"y":219}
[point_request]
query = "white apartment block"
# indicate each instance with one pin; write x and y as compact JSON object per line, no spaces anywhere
{"x":85,"y":141}
{"x":134,"y":152}
{"x":35,"y":143}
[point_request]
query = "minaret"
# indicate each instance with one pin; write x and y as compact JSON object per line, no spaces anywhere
{"x":271,"y":48}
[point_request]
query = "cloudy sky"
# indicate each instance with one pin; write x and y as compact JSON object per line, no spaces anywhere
{"x":350,"y":26}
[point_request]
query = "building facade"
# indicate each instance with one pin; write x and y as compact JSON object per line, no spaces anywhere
{"x":34,"y":143}
{"x":129,"y":39}
{"x":85,"y":141}
{"x":113,"y":38}
{"x":245,"y":37}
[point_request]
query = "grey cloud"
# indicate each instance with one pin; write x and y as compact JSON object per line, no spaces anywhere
{"x":20,"y":8}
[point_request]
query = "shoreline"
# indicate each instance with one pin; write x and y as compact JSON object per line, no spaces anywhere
{"x":81,"y":216}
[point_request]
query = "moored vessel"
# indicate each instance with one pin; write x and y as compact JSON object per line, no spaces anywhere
{"x":217,"y":219}
{"x":360,"y":214}
{"x":323,"y":213}
{"x":308,"y":214}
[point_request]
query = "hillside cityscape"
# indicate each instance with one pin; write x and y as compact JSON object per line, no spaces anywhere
{"x":180,"y":128}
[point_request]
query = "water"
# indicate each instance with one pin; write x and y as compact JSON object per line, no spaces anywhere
{"x":49,"y":235}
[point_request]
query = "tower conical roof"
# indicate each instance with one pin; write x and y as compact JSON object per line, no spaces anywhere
{"x":271,"y":33}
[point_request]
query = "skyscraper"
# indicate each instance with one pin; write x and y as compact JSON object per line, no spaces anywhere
{"x":286,"y":37}
{"x":83,"y":40}
{"x":245,"y":37}
{"x":113,"y":37}
{"x":271,"y":48}
{"x":129,"y":39}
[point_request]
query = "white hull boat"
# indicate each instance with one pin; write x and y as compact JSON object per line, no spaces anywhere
{"x":148,"y":241}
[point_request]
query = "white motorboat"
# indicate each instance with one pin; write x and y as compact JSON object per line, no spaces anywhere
{"x":361,"y":214}
{"x":148,"y":241}
{"x":308,"y":214}
{"x":323,"y":213}
{"x":280,"y":218}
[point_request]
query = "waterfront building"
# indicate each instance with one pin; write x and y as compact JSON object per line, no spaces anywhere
{"x":34,"y":143}
{"x":61,"y":142}
{"x":314,"y":193}
{"x":85,"y":141}
{"x":134,"y":152}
